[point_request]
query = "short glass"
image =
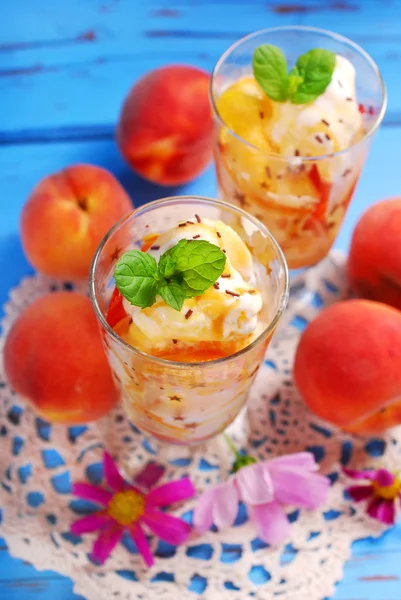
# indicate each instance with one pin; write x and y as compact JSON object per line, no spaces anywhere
{"x":186,"y":403}
{"x":302,"y":200}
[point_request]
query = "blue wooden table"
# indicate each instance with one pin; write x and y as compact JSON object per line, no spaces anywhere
{"x":65,"y":68}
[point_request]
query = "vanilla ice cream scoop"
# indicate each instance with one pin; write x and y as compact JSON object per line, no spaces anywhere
{"x":226,"y":312}
{"x":332,"y":122}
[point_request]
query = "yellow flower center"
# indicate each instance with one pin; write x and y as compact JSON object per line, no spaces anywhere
{"x":126,"y":507}
{"x":388,"y":492}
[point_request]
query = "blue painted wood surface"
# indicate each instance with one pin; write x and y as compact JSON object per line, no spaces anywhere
{"x":64,"y":70}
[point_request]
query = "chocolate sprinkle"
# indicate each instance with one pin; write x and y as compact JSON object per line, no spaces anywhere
{"x":218,"y":234}
{"x":319,"y":139}
{"x":216,"y":286}
{"x":262,"y":115}
{"x":340,"y":120}
{"x":339,"y":83}
{"x":232,"y":293}
{"x":196,"y":237}
{"x":325,"y":122}
{"x":182,"y":225}
{"x":226,"y":275}
{"x":190,"y":223}
{"x":268,"y":172}
{"x":188,"y":313}
{"x":155,"y":247}
{"x":197,"y":217}
{"x":264,"y":185}
{"x":175,"y":341}
{"x":328,"y":138}
{"x":347,"y":172}
{"x":296,"y":153}
{"x":349,"y":99}
{"x":251,"y":292}
{"x":225,"y":252}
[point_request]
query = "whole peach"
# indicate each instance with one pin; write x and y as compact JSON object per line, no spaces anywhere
{"x":348,"y":364}
{"x":54,"y":358}
{"x":374,"y":264}
{"x":67,"y":215}
{"x":165,"y":127}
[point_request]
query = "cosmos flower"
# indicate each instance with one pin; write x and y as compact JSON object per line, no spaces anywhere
{"x":134,"y":508}
{"x":266,"y":488}
{"x":381,"y":488}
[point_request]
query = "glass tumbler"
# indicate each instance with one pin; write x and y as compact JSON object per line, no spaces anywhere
{"x":301,"y":199}
{"x":177,"y":402}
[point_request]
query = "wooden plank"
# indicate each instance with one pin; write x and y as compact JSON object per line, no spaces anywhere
{"x":64,"y":57}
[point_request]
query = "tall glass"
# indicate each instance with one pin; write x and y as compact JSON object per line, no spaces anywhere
{"x":179,"y":402}
{"x":302,"y":200}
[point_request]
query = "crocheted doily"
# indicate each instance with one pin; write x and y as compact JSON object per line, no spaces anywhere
{"x":38,"y":461}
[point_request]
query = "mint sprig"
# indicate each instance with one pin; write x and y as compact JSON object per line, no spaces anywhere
{"x":307,"y":80}
{"x":186,"y":270}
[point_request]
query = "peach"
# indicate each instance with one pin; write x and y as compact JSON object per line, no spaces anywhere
{"x":67,"y":215}
{"x":54,"y":358}
{"x":348,"y":364}
{"x":374,"y":264}
{"x":165,"y":127}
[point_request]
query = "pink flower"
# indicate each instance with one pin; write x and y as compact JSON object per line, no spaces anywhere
{"x":265,"y":487}
{"x":382,"y":488}
{"x":131,"y":508}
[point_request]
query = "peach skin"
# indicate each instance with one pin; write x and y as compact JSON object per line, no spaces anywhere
{"x":67,"y":215}
{"x":165,"y":127}
{"x":374,"y":263}
{"x":54,"y":358}
{"x":348,"y":364}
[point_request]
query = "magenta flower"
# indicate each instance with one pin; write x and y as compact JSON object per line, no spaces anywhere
{"x":382,"y":488}
{"x":265,"y":487}
{"x":131,"y":508}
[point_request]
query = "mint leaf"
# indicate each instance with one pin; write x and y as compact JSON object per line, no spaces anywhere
{"x":172,"y":294}
{"x":184,"y":271}
{"x":198,"y":264}
{"x":135,"y":275}
{"x":311,"y":75}
{"x":270,"y":71}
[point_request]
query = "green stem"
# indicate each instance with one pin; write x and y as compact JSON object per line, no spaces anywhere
{"x":231,"y":446}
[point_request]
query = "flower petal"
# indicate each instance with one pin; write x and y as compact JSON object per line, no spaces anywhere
{"x":369,"y":474}
{"x":382,"y":510}
{"x":225,"y":506}
{"x":136,"y":532}
{"x":173,"y":491}
{"x":271,"y":522}
{"x":255,"y":486}
{"x":113,"y":476}
{"x":148,"y":476}
{"x":384,"y":477}
{"x":93,"y":493}
{"x":203,"y":512}
{"x":168,"y":528}
{"x":360,"y":492}
{"x":89,"y":523}
{"x":106,"y":542}
{"x":298,"y":460}
{"x":297,"y":488}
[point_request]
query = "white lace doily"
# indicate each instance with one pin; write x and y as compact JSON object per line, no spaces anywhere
{"x":38,"y":461}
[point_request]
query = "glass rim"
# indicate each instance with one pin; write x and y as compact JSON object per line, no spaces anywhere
{"x":339,"y":38}
{"x":172,"y":200}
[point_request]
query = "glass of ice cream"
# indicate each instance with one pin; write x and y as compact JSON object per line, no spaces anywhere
{"x":185,"y":374}
{"x":294,"y":163}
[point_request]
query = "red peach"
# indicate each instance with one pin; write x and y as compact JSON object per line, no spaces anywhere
{"x":374,"y":263}
{"x":348,"y":364}
{"x":67,"y":215}
{"x":165,"y":127}
{"x":54,"y":358}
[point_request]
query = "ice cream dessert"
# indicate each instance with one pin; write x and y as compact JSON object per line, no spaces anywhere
{"x":284,"y":147}
{"x":216,"y":323}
